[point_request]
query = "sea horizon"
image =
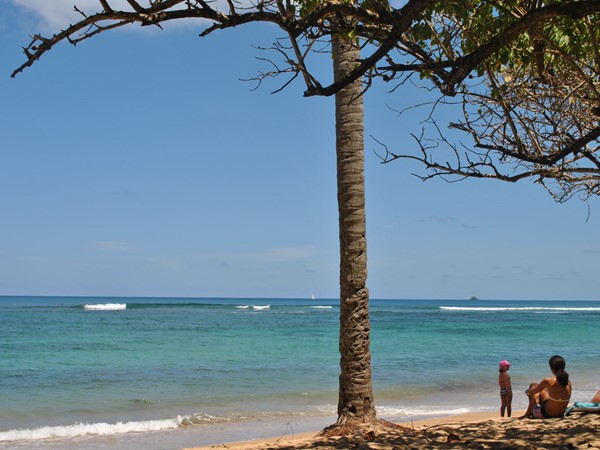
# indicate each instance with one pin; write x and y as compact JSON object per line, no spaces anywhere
{"x":308,"y":297}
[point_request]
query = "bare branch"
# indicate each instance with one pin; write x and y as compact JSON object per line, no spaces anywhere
{"x":106,"y":6}
{"x":402,"y":20}
{"x":136,"y":6}
{"x":158,"y":12}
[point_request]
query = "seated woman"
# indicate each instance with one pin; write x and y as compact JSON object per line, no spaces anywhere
{"x":550,"y":397}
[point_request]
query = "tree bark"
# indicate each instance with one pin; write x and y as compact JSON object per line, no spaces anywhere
{"x":355,"y":389}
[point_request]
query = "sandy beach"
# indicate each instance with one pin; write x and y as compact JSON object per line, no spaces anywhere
{"x":472,"y":431}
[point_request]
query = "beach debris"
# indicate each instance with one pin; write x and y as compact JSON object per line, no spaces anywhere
{"x":452,"y":438}
{"x":369,"y":436}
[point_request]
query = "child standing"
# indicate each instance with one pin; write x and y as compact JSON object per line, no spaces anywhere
{"x":505,"y":388}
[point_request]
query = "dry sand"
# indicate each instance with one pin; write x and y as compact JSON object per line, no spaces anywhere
{"x":466,"y":431}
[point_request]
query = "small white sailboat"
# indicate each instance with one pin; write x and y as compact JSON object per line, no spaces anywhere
{"x":312,"y":296}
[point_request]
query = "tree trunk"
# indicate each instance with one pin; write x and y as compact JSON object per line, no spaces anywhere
{"x":355,"y":403}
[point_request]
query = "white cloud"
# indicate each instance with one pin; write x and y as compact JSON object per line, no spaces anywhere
{"x":280,"y":254}
{"x":168,"y":262}
{"x":36,"y":259}
{"x":288,"y":253}
{"x":113,"y":246}
{"x":439,"y":219}
{"x":58,"y":14}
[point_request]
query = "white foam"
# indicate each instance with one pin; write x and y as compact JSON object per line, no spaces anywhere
{"x":106,"y":307}
{"x":261,"y":307}
{"x":412,"y":411}
{"x":89,"y":429}
{"x":321,"y":307}
{"x":242,"y":307}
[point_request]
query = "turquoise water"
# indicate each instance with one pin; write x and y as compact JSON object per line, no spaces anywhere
{"x":171,"y":372}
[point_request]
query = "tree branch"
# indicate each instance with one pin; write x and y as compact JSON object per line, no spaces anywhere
{"x":461,"y":67}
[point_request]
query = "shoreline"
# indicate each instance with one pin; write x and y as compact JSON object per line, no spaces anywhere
{"x":477,"y":430}
{"x":303,"y":438}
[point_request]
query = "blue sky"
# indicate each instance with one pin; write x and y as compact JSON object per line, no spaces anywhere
{"x":139,"y":164}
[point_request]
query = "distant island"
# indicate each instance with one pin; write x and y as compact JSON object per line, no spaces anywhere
{"x":473,"y":298}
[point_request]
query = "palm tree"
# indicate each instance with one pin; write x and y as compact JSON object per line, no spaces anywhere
{"x":355,"y":402}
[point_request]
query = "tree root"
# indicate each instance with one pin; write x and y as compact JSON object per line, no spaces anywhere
{"x":364,"y":429}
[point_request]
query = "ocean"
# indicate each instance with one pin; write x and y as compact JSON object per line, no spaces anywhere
{"x":168,"y":373}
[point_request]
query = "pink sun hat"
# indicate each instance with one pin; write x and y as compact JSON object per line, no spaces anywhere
{"x":505,"y":363}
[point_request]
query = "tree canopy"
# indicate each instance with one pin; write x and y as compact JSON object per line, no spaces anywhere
{"x":527,"y":72}
{"x":531,"y":106}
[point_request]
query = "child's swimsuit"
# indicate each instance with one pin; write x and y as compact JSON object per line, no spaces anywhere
{"x":503,"y":390}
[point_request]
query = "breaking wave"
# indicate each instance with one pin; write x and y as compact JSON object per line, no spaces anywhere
{"x":105,"y":307}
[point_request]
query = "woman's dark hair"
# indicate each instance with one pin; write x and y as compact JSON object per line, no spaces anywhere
{"x":557,"y":364}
